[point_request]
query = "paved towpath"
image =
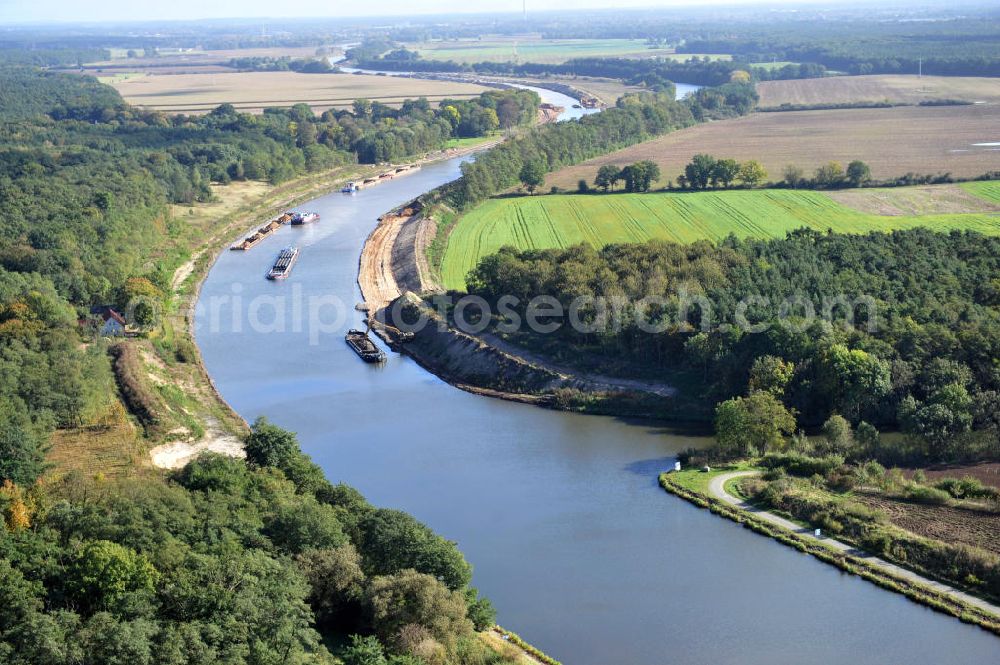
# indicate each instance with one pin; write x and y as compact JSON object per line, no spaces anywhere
{"x":717,"y":488}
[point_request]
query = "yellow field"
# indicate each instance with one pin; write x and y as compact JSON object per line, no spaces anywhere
{"x":881,"y":88}
{"x":253,"y":91}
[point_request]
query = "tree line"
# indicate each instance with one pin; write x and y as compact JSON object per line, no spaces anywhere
{"x":637,"y":177}
{"x":635,"y":118}
{"x":281,"y":64}
{"x":706,"y":172}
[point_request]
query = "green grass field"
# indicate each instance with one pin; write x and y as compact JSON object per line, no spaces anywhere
{"x":988,"y":190}
{"x":468,"y":142}
{"x":549,"y":51}
{"x":562,"y":220}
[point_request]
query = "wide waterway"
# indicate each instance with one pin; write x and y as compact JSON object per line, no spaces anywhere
{"x":560,"y":513}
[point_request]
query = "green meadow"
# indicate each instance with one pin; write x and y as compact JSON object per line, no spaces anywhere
{"x":538,"y":222}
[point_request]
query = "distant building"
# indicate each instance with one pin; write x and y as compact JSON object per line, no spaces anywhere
{"x":111,"y":324}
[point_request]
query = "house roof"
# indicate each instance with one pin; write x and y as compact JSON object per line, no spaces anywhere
{"x":106,"y":312}
{"x":112,"y":314}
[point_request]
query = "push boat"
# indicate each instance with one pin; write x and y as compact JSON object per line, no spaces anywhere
{"x":299,"y":218}
{"x":283,"y":264}
{"x":364,"y":347}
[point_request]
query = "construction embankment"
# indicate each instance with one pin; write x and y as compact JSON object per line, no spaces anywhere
{"x":395,"y":277}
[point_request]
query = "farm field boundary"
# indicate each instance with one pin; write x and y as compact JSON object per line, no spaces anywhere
{"x":892,"y":141}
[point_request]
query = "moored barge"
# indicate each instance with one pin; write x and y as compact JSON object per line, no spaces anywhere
{"x":364,"y":347}
{"x":283,"y":264}
{"x":261,"y":233}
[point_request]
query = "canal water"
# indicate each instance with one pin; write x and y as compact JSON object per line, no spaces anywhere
{"x":560,"y":514}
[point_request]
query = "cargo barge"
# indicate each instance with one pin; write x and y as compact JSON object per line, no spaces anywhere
{"x":364,"y":347}
{"x":352,"y":187}
{"x":261,"y":233}
{"x":300,"y":218}
{"x":283,"y":264}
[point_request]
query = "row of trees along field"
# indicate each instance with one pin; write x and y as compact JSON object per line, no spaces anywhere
{"x":925,"y":364}
{"x":708,"y":172}
{"x":635,"y":118}
{"x":645,"y":71}
{"x":705,"y":171}
{"x":256,"y":562}
{"x":85,"y":183}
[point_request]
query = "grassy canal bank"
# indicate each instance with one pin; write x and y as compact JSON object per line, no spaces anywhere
{"x":694,"y":486}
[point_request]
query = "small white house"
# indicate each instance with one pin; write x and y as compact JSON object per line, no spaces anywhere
{"x":111,"y":324}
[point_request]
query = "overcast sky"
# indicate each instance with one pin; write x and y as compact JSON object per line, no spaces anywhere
{"x":133,"y":10}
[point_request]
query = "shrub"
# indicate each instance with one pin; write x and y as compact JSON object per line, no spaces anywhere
{"x":185,"y":352}
{"x":774,"y":473}
{"x":928,"y":495}
{"x":134,"y":386}
{"x":876,"y":542}
{"x":828,"y":523}
{"x":802,"y":465}
{"x":967,"y":488}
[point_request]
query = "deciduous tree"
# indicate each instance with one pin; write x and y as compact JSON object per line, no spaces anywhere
{"x":756,"y":423}
{"x":532,"y":175}
{"x":752,"y":173}
{"x":607,"y":176}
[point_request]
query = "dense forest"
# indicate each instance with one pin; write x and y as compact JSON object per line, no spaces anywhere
{"x":85,"y":183}
{"x":920,"y":355}
{"x":260,"y":561}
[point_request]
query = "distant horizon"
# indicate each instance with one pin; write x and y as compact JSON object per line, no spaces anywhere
{"x":63,"y":12}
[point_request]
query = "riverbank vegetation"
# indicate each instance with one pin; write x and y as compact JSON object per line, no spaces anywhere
{"x":254,"y":561}
{"x":636,"y":117}
{"x":939,"y":528}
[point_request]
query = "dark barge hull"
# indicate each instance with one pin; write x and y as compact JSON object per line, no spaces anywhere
{"x":364,"y":347}
{"x":283,"y":265}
